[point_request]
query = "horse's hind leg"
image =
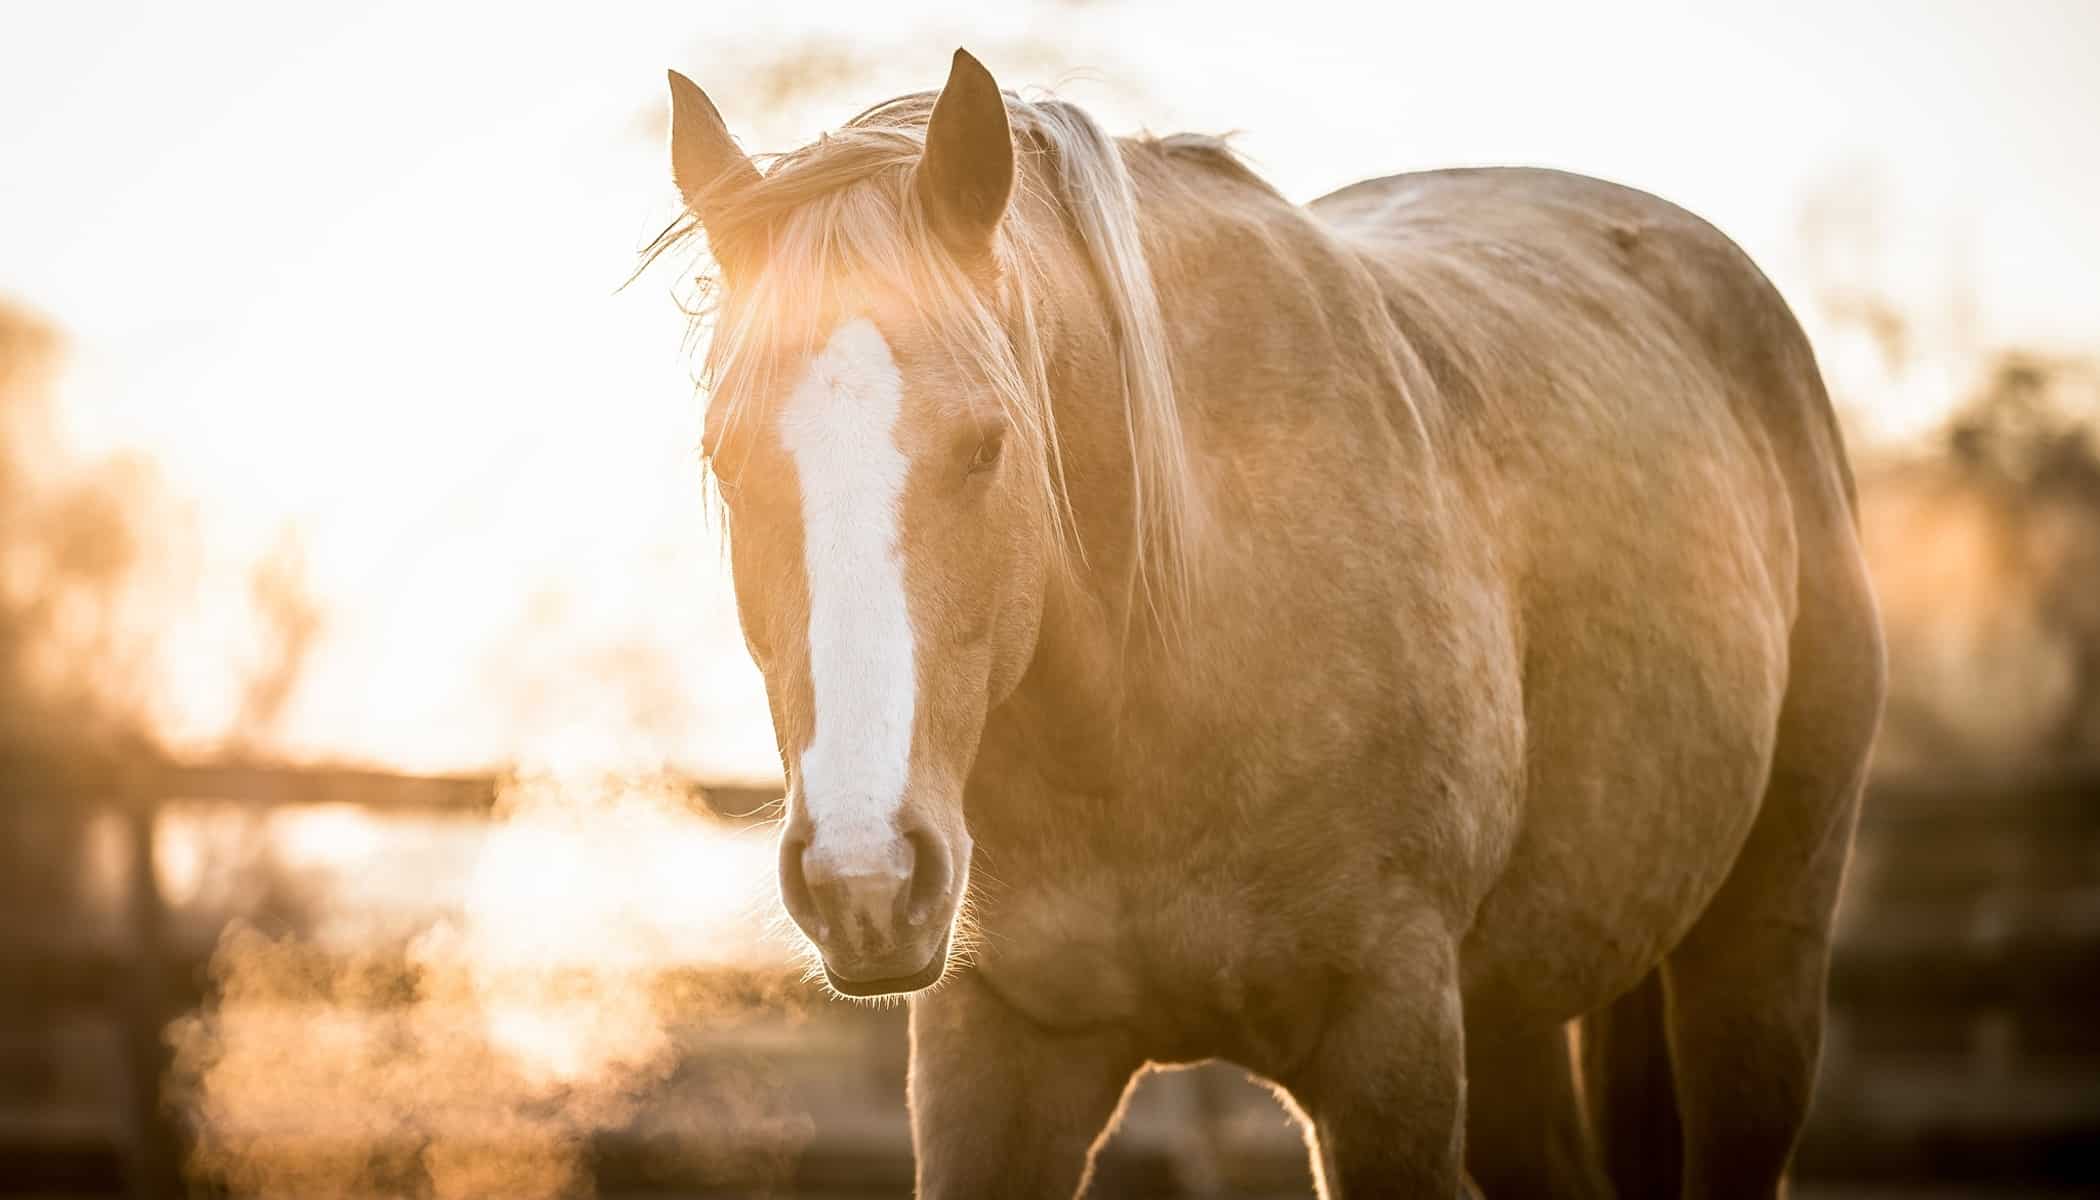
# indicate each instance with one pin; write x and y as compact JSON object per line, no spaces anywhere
{"x":1524,"y":1134}
{"x":1629,"y":1095}
{"x":1746,"y":1025}
{"x":1746,"y":985}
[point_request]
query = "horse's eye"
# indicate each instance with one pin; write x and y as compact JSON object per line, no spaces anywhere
{"x":987,"y":453}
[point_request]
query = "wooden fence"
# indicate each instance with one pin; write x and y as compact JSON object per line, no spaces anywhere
{"x":1963,"y":1046}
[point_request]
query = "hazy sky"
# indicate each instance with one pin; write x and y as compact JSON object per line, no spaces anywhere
{"x":351,"y":270}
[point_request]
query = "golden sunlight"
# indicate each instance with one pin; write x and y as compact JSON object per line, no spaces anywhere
{"x":390,"y":806}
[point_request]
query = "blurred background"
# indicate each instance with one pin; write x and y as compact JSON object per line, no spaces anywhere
{"x":382,"y":779}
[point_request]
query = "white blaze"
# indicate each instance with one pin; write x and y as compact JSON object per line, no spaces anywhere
{"x":838,"y":426}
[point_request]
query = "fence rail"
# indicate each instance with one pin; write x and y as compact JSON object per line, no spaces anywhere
{"x":1962,"y":1043}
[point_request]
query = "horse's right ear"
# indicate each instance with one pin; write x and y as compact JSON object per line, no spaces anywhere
{"x":967,"y":173}
{"x":706,"y":162}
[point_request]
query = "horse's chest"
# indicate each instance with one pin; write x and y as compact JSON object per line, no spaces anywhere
{"x":1060,"y":953}
{"x":1195,"y":971}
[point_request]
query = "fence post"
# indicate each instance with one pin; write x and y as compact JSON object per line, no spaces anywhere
{"x":156,"y":1168}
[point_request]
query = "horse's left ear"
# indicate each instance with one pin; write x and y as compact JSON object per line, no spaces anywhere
{"x":705,"y":161}
{"x":967,"y":173}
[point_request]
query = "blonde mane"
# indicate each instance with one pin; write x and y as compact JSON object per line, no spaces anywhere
{"x":844,"y":208}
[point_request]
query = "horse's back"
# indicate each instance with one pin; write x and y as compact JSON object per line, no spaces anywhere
{"x":1589,"y":241}
{"x":1639,"y":428}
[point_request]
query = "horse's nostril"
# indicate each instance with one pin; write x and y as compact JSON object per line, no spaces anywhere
{"x":931,"y":875}
{"x":794,"y":887}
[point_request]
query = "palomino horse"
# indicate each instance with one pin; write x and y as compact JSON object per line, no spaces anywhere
{"x":1351,"y":640}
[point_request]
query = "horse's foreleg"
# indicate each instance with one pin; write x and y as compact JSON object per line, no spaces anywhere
{"x":1001,"y":1106}
{"x":1385,"y":1090}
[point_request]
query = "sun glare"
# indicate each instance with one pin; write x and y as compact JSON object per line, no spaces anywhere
{"x":346,"y":434}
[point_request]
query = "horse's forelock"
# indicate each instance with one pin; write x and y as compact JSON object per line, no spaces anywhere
{"x":845,"y":204}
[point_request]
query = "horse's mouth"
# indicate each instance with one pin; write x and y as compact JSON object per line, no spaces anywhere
{"x":894,"y":985}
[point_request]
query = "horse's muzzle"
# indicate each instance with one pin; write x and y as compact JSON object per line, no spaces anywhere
{"x":880,"y":915}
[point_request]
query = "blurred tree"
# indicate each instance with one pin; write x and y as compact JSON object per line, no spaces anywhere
{"x":1985,"y":548}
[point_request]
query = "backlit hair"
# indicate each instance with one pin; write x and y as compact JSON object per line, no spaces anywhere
{"x":845,"y":207}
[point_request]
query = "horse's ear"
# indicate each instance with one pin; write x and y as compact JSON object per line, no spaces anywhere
{"x":967,"y":174}
{"x":706,"y":162}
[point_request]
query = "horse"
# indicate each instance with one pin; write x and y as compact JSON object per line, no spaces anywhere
{"x":1359,"y":641}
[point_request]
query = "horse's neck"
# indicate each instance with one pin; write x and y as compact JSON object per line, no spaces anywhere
{"x":1268,"y":312}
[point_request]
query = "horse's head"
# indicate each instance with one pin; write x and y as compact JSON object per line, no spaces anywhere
{"x":878,"y":436}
